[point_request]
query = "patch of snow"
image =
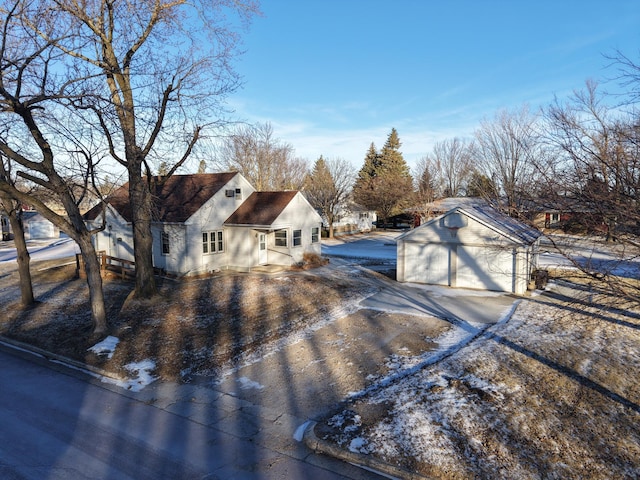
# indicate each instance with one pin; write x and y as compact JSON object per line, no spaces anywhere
{"x":143,"y":369}
{"x":247,"y":384}
{"x":299,"y":433}
{"x":359,"y":445}
{"x":105,"y":347}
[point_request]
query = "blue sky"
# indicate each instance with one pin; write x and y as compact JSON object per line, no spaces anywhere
{"x":332,"y":76}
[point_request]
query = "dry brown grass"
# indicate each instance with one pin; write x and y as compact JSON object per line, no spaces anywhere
{"x":551,"y":394}
{"x":192,"y":328}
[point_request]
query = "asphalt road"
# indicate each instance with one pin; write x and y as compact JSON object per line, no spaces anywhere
{"x":57,"y":424}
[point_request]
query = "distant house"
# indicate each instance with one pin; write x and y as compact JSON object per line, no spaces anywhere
{"x":7,"y":234}
{"x":436,"y":208}
{"x":470,"y":246}
{"x":36,"y":227}
{"x":353,"y":218}
{"x":211,"y":222}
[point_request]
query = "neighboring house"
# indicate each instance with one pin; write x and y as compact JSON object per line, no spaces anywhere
{"x":210,"y":222}
{"x":352,"y":218}
{"x":7,"y":234}
{"x":470,"y":246}
{"x":36,"y":227}
{"x":428,"y":211}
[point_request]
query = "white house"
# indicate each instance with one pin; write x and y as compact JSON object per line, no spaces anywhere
{"x":209,"y":222}
{"x":353,"y":218}
{"x":36,"y":227}
{"x":474,"y":246}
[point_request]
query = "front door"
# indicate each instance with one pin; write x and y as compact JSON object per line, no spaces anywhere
{"x":262,"y":248}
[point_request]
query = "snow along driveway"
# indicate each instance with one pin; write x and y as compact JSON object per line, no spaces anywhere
{"x":363,"y":345}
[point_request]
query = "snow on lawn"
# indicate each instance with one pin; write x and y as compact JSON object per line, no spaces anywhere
{"x":380,"y":246}
{"x":551,"y":393}
{"x":105,"y":347}
{"x":143,"y":377}
{"x":142,"y":370}
{"x":52,"y":249}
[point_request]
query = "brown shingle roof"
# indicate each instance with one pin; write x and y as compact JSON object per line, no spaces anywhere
{"x":261,"y":208}
{"x":175,"y":200}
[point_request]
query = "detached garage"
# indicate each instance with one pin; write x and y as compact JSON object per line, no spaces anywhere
{"x":473,"y":246}
{"x":36,"y":227}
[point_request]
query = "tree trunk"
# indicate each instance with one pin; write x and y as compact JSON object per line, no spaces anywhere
{"x":94,"y":281}
{"x":142,"y":238}
{"x":23,"y":258}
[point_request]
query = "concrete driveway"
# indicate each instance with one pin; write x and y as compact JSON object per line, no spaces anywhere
{"x":387,"y":335}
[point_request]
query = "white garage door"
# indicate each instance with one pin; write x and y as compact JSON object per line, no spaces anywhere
{"x":484,"y":268}
{"x":427,"y":264}
{"x":40,"y":230}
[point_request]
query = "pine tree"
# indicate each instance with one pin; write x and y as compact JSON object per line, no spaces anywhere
{"x":482,"y":186}
{"x":384,"y":182}
{"x":364,"y":191}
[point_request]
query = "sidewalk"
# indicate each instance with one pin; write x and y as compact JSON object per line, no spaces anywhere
{"x":209,"y":431}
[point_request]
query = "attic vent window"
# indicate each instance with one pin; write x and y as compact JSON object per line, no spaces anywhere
{"x":238,"y":194}
{"x":453,"y":222}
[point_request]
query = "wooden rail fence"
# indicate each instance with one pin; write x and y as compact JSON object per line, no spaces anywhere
{"x":108,"y":263}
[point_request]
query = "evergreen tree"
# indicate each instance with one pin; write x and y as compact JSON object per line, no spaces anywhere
{"x":364,"y":191}
{"x":482,"y":186}
{"x":384,"y":182}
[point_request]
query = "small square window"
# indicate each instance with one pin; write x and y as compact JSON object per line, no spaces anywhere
{"x":281,"y":238}
{"x":205,"y":242}
{"x":297,"y":238}
{"x":165,"y":243}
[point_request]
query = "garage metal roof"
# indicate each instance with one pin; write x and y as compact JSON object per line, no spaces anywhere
{"x":501,"y":222}
{"x":492,"y":218}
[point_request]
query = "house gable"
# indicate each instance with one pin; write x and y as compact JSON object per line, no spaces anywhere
{"x":486,"y":225}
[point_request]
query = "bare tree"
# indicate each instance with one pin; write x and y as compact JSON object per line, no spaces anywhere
{"x":451,"y":165}
{"x":506,"y":149}
{"x":267,"y":162}
{"x":600,"y":164}
{"x":30,"y":88}
{"x":13,"y":210}
{"x":597,"y":180}
{"x":154,"y":73}
{"x":328,"y":187}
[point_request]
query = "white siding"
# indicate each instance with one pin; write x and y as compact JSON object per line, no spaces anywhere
{"x":210,"y":218}
{"x":298,"y":215}
{"x":472,"y":256}
{"x":116,"y":240}
{"x":242,"y":247}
